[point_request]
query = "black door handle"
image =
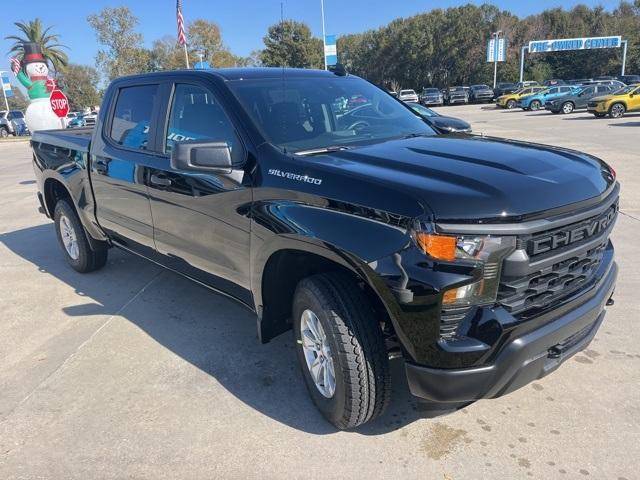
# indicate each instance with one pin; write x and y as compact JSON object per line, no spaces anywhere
{"x":160,"y":180}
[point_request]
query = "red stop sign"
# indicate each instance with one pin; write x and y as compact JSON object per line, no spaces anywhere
{"x":59,"y":103}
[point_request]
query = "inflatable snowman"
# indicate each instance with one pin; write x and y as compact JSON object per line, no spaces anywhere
{"x":33,"y":74}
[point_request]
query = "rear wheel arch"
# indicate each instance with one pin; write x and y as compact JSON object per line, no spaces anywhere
{"x":54,"y":190}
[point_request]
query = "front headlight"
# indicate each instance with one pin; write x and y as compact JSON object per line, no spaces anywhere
{"x":487,"y":251}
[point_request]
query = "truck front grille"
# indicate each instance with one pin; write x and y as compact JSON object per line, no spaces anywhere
{"x":555,"y":264}
{"x":551,"y":283}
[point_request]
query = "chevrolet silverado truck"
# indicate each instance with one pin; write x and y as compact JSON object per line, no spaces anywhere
{"x":481,"y":264}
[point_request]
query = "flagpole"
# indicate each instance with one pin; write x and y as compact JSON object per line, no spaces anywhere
{"x":186,"y":56}
{"x":324,"y":36}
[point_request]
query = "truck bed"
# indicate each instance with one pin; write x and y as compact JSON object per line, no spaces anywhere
{"x":73,"y":138}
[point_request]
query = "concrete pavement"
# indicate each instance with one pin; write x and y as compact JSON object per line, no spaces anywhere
{"x":134,"y":372}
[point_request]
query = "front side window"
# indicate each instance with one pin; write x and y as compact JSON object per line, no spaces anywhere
{"x":131,"y":120}
{"x":310,"y":113}
{"x":197,"y":115}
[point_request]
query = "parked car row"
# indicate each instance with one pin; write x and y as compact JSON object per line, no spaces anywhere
{"x":12,"y":123}
{"x":599,"y":97}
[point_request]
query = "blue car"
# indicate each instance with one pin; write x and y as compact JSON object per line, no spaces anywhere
{"x":536,"y":101}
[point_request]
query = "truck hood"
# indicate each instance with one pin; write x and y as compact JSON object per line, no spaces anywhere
{"x":463,"y":177}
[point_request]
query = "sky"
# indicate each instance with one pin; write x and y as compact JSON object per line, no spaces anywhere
{"x":243,"y":22}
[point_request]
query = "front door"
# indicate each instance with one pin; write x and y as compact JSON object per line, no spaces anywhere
{"x":201,"y":222}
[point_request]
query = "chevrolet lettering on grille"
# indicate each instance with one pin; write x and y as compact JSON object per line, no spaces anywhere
{"x":578,"y":233}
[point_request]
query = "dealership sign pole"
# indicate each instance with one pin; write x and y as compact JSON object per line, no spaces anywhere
{"x":5,"y":85}
{"x":567,"y":44}
{"x":496,"y":52}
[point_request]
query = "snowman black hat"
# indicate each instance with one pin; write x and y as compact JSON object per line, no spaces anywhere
{"x":32,"y":53}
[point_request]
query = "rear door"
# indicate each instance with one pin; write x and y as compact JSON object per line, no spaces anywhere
{"x":121,"y":155}
{"x":201,"y":222}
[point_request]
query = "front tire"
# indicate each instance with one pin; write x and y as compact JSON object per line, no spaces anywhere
{"x":341,"y":349}
{"x":511,"y":104}
{"x":73,"y":240}
{"x":567,"y":107}
{"x":4,"y":133}
{"x":617,"y":110}
{"x":535,"y":105}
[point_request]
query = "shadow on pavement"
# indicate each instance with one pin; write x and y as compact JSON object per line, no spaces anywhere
{"x":207,"y":330}
{"x":626,"y":124}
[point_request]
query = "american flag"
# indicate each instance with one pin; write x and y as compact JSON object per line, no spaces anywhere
{"x":182,"y":36}
{"x":15,"y":65}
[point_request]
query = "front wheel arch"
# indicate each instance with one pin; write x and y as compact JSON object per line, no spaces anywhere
{"x":282,"y":273}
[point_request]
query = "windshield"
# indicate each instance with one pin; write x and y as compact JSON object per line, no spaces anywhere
{"x":16,"y":114}
{"x":315,"y":113}
{"x":625,"y":90}
{"x":480,"y":87}
{"x":431,"y":90}
{"x":407,"y":92}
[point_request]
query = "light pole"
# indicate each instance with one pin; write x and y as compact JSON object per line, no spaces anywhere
{"x":324,"y":36}
{"x":496,"y":35}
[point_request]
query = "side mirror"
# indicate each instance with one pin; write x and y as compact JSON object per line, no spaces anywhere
{"x":202,"y":155}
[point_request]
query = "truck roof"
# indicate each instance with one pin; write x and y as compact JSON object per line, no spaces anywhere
{"x":245,"y":73}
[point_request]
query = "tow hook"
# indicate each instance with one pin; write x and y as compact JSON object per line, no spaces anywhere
{"x":610,"y":302}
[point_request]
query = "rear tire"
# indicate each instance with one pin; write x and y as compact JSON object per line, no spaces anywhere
{"x":353,"y":348}
{"x":73,"y":240}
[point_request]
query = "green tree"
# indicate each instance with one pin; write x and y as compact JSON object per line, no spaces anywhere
{"x":290,"y":44}
{"x":80,"y":83}
{"x":122,"y":53}
{"x":167,"y":54}
{"x":33,"y":31}
{"x":205,"y":38}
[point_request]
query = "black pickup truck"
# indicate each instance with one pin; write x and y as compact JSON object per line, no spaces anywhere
{"x":482,"y":263}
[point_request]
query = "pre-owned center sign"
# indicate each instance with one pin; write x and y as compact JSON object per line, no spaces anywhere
{"x":587,"y":43}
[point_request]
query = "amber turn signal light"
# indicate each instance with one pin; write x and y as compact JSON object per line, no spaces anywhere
{"x":441,"y":247}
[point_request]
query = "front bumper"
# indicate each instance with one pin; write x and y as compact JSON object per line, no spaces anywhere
{"x":598,"y":108}
{"x":523,"y":358}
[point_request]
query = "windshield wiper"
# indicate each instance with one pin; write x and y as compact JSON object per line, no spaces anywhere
{"x":414,"y":135}
{"x":321,"y":150}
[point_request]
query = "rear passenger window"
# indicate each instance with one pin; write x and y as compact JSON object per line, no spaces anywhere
{"x":197,"y":115}
{"x":132,"y":116}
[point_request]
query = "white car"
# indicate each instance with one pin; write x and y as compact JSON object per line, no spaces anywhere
{"x":408,"y":96}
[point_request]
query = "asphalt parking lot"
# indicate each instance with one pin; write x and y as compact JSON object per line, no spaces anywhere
{"x":134,"y":372}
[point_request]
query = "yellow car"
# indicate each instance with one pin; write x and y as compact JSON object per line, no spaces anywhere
{"x":511,"y":99}
{"x":617,"y":104}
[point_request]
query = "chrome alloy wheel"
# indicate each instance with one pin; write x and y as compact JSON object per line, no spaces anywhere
{"x":617,"y":110}
{"x":69,"y":239}
{"x":317,"y":353}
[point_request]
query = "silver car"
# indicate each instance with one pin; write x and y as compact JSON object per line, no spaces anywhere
{"x":12,"y":123}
